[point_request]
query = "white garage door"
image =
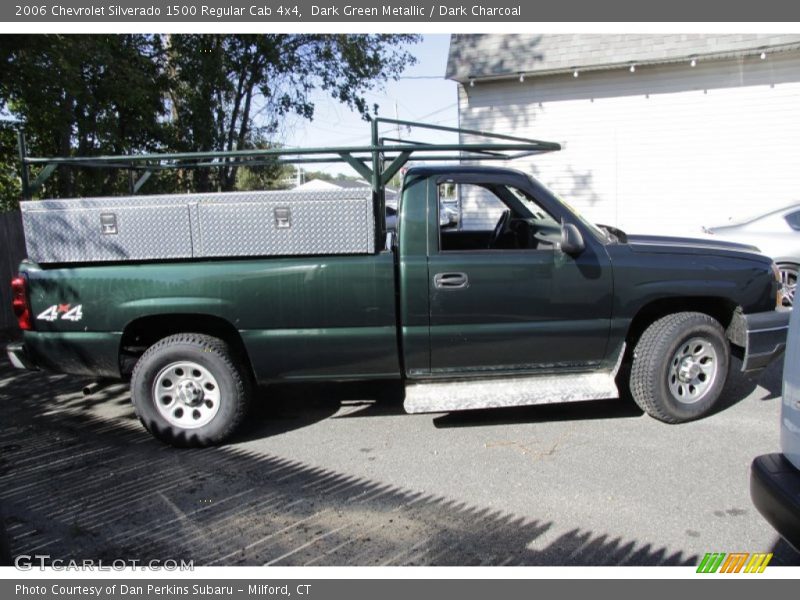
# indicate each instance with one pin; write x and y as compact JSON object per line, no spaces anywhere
{"x":663,"y":150}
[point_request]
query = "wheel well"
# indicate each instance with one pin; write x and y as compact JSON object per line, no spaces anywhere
{"x":142,"y":333}
{"x":720,"y":309}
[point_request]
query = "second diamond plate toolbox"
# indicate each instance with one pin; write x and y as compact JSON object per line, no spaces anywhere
{"x":181,"y":226}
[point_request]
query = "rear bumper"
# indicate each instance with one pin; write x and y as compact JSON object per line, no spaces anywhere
{"x":761,"y":335}
{"x":19,"y":358}
{"x":76,"y":353}
{"x":775,"y":491}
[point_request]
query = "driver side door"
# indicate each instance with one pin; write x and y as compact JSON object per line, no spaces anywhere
{"x":498,"y":305}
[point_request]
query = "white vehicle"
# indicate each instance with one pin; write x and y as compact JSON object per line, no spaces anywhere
{"x":776,"y":234}
{"x":775,"y":478}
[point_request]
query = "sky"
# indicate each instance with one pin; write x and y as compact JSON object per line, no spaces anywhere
{"x":422,"y":94}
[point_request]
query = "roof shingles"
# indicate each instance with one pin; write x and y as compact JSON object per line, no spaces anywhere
{"x":493,"y":56}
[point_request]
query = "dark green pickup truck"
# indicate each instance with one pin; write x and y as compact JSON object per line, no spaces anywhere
{"x":539,"y":306}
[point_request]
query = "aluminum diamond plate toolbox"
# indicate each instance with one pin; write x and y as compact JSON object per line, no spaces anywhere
{"x":185,"y":226}
{"x":303,"y":224}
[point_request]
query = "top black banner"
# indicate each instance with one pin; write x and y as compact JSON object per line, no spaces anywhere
{"x":340,"y":11}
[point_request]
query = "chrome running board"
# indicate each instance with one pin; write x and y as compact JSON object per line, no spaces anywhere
{"x":469,"y":394}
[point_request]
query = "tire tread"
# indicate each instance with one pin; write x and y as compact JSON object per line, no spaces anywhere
{"x":241,"y":380}
{"x":647,"y":357}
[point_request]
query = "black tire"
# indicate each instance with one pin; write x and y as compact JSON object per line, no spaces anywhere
{"x":664,"y":359}
{"x":226,"y":379}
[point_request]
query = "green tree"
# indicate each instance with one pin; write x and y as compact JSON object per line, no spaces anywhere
{"x":10,"y":189}
{"x":84,"y":95}
{"x":227,"y":92}
{"x":87,"y":95}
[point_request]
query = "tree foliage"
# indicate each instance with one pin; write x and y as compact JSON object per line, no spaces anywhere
{"x":86,"y":95}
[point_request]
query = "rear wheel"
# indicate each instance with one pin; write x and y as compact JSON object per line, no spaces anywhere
{"x":188,"y":390}
{"x":679,"y":367}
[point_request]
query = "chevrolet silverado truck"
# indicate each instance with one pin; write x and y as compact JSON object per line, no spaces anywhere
{"x":198,"y":299}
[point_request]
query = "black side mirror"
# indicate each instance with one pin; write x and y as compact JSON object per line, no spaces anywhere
{"x":571,"y":239}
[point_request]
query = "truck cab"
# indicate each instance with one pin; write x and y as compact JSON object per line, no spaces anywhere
{"x":498,"y":294}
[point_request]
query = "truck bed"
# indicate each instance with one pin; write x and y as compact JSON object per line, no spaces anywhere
{"x":301,"y":318}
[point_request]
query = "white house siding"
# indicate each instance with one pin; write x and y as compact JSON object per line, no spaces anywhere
{"x":665,"y":149}
{"x":480,"y":209}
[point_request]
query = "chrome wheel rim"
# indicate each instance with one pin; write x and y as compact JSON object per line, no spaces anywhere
{"x":788,"y":283}
{"x":186,"y":394}
{"x":692,"y":370}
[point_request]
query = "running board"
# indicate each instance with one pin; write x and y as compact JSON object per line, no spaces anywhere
{"x":445,"y":396}
{"x":468,"y":394}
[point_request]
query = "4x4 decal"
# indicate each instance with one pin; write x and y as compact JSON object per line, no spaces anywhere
{"x":65,"y":312}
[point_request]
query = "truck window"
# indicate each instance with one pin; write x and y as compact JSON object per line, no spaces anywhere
{"x":492,"y":217}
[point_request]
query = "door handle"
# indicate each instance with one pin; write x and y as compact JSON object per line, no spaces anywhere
{"x":450,"y":281}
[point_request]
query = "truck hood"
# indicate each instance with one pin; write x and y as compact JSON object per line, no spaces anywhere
{"x":687,"y":245}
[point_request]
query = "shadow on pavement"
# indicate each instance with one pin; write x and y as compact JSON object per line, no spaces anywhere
{"x":283,"y":407}
{"x":75,"y":486}
{"x":545,"y":413}
{"x":739,"y":386}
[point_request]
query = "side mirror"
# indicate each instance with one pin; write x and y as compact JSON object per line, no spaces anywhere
{"x":571,"y":239}
{"x":448,"y":217}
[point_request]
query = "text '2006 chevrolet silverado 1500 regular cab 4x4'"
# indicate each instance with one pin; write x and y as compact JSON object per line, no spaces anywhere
{"x":198,"y":298}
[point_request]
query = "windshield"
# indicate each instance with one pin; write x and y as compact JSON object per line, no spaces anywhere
{"x":603,"y":235}
{"x":536,"y":211}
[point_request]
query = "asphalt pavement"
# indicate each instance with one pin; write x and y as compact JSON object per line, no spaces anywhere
{"x":337,"y":474}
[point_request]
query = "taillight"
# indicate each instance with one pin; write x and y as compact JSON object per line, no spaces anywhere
{"x":20,"y":303}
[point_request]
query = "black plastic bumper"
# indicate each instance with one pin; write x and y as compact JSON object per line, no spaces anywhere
{"x":775,"y":490}
{"x":761,"y":335}
{"x":18,"y":357}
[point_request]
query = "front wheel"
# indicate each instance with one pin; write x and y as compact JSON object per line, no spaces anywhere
{"x":188,"y":390}
{"x":788,"y":273}
{"x":679,"y":367}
